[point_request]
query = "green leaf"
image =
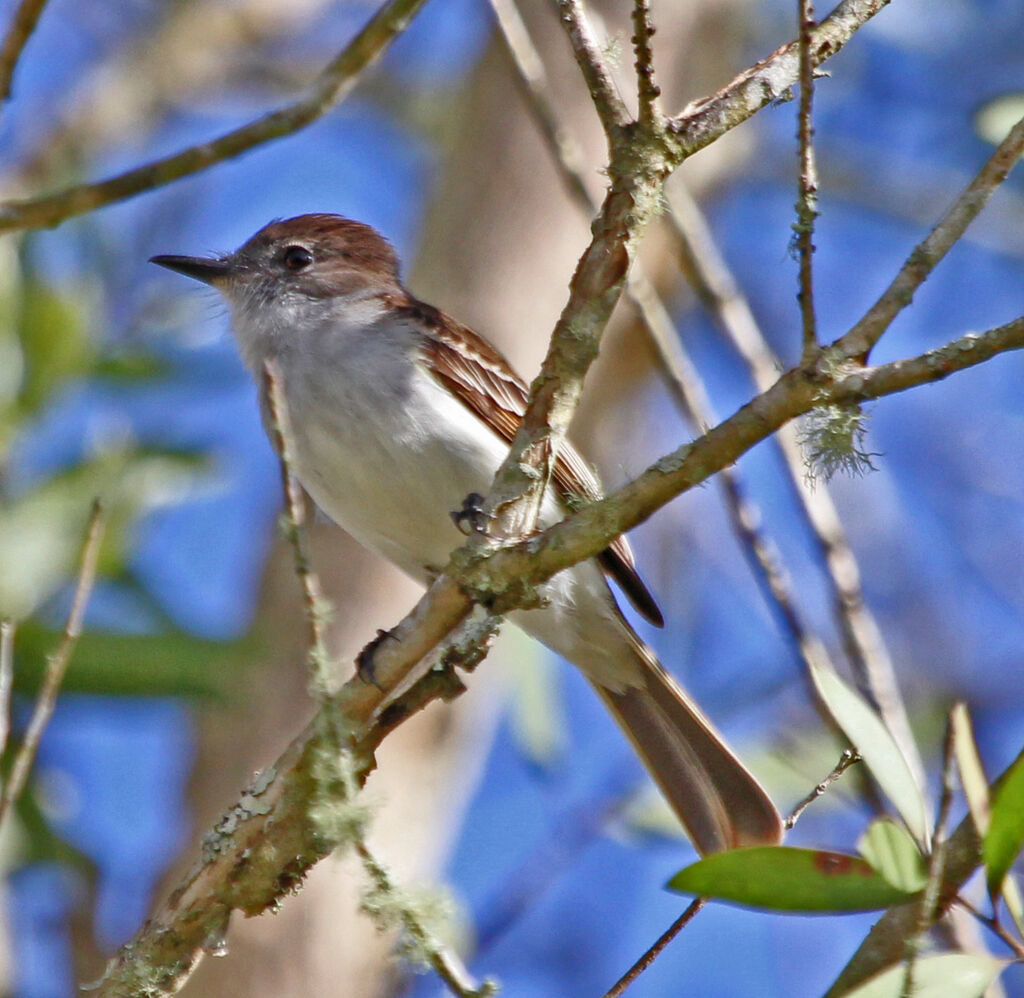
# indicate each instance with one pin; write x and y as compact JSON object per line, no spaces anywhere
{"x":891,"y":851}
{"x":781,"y":878}
{"x":972,"y":773}
{"x":171,"y":664}
{"x":941,"y":975}
{"x":1005,"y":836}
{"x":877,"y":747}
{"x":55,"y":342}
{"x":130,"y":367}
{"x":975,"y":784}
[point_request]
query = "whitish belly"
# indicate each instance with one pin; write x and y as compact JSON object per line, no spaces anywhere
{"x":393,"y":482}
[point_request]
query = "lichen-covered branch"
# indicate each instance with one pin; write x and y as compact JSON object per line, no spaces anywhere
{"x":265,"y":844}
{"x":586,"y":533}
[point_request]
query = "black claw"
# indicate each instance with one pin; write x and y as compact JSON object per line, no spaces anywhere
{"x":471,"y":519}
{"x":364,"y":660}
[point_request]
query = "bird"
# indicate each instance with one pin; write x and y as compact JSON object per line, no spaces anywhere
{"x":398,"y":413}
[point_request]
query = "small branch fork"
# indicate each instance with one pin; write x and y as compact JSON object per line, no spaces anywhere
{"x":846,"y":760}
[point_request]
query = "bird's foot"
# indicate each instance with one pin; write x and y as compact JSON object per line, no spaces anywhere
{"x":364,"y":660}
{"x":471,"y":518}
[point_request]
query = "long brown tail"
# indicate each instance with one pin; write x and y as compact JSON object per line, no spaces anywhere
{"x":716,"y":797}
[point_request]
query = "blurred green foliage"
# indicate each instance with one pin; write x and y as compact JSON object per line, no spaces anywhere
{"x":49,"y":342}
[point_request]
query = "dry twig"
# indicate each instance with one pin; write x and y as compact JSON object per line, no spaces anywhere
{"x":7,"y":629}
{"x":691,"y":912}
{"x":807,"y":198}
{"x":56,"y":665}
{"x":341,"y":784}
{"x":846,"y":760}
{"x":865,"y":647}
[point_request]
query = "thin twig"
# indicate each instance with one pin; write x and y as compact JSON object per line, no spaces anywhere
{"x":846,"y":760}
{"x":648,"y":92}
{"x":993,"y":925}
{"x":23,"y":23}
{"x":719,"y":292}
{"x":652,"y":954}
{"x":334,"y":84}
{"x":702,"y":121}
{"x":316,"y":607}
{"x":7,"y":628}
{"x":927,"y":254}
{"x":446,"y":964}
{"x":56,"y":664}
{"x":936,"y":864}
{"x":807,"y":197}
{"x":761,"y":553}
{"x":596,"y":72}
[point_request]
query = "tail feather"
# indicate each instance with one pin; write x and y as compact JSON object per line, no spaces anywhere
{"x":716,"y":797}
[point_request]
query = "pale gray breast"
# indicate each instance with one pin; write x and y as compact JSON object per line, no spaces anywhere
{"x":381,"y":447}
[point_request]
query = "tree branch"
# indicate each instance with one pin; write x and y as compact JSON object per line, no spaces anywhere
{"x":648,"y":91}
{"x":927,"y":254}
{"x":22,"y":25}
{"x":689,"y":914}
{"x":587,"y":532}
{"x":596,"y":74}
{"x":6,"y":679}
{"x":333,"y":86}
{"x":263,"y":846}
{"x":705,"y":120}
{"x":807,"y":197}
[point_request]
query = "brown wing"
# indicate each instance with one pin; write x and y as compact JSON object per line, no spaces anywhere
{"x":483,"y":381}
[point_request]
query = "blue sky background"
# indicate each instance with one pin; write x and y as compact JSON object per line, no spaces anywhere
{"x":938,"y":528}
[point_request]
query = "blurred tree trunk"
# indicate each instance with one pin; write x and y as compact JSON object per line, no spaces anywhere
{"x":500,"y":242}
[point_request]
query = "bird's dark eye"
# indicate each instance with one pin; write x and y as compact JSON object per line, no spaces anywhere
{"x":297,"y":258}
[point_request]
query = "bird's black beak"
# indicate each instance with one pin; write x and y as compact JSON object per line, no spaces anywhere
{"x":209,"y":270}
